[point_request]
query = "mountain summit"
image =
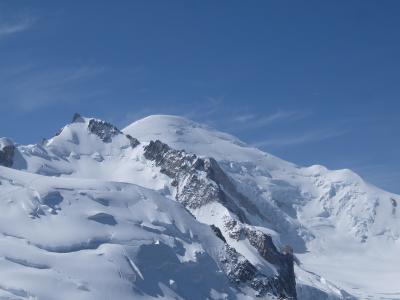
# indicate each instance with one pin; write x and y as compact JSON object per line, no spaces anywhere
{"x":171,"y":208}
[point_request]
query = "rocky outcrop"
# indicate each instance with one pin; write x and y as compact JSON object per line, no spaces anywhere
{"x":189,"y":174}
{"x":218,"y":233}
{"x":241,"y":272}
{"x":104,"y":130}
{"x":199,"y":181}
{"x":133,"y":141}
{"x":7,"y":151}
{"x":284,"y":261}
{"x":262,"y":242}
{"x":77,"y":118}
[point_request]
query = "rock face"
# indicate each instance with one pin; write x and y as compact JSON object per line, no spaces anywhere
{"x":284,"y":261}
{"x":200,"y":181}
{"x":133,"y":142}
{"x":103,"y":130}
{"x":218,"y":233}
{"x":7,"y":150}
{"x":77,"y":118}
{"x":264,"y":245}
{"x":240,"y":271}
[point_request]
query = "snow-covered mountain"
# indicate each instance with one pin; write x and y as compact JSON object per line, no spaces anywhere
{"x":173,"y":209}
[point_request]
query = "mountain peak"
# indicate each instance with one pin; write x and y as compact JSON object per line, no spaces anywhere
{"x":7,"y":149}
{"x":4,"y":142}
{"x":77,"y":118}
{"x":172,"y":119}
{"x":256,"y":202}
{"x":203,"y":140}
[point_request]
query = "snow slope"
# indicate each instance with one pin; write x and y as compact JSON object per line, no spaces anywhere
{"x":95,"y":194}
{"x":349,"y":229}
{"x":86,"y":239}
{"x":92,"y":151}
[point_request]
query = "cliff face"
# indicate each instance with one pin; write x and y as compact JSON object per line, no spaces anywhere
{"x":201,"y":181}
{"x":7,"y":150}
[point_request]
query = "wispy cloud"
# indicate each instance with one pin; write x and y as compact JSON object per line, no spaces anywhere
{"x":30,"y":87}
{"x":253,"y":121}
{"x":8,"y":28}
{"x":308,"y":137}
{"x":206,"y":109}
{"x":244,"y":118}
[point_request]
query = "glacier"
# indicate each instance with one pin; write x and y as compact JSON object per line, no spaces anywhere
{"x":169,"y":208}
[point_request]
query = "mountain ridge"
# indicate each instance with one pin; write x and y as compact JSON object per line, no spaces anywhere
{"x":310,"y":208}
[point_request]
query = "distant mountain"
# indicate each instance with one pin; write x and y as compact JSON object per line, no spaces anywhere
{"x":168,"y":208}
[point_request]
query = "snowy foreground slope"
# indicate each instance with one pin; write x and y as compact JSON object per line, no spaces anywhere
{"x":85,"y":239}
{"x":168,"y":208}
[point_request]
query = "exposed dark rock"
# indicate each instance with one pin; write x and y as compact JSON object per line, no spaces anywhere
{"x":241,"y":272}
{"x":284,"y":261}
{"x":103,"y":130}
{"x":193,"y":190}
{"x":199,"y":181}
{"x":7,"y":151}
{"x":133,"y":141}
{"x":394,"y":205}
{"x":218,"y":232}
{"x":77,"y":118}
{"x":233,"y":228}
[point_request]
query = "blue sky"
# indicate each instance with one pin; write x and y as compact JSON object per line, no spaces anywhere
{"x":309,"y":81}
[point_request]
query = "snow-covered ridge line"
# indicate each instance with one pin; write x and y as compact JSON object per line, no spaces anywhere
{"x":237,"y":268}
{"x":262,"y":207}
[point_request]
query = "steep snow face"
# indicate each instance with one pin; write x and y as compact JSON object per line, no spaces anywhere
{"x":85,"y":239}
{"x":335,"y":213}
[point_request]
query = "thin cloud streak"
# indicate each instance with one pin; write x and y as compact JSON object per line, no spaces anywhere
{"x":7,"y":29}
{"x":252,"y":121}
{"x":244,"y":118}
{"x":309,"y":137}
{"x":208,"y":108}
{"x":31,"y":88}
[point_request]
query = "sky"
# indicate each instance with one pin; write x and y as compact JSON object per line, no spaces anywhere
{"x":313,"y":82}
